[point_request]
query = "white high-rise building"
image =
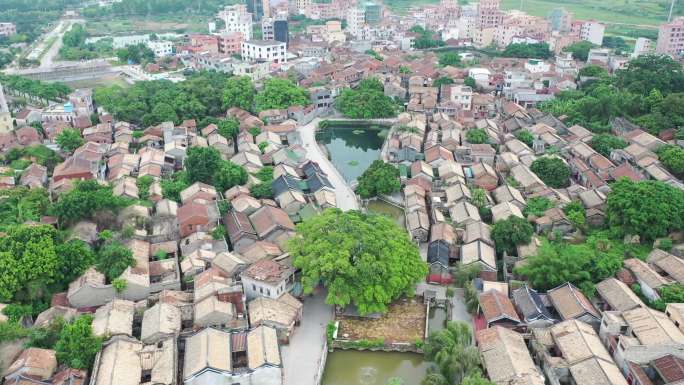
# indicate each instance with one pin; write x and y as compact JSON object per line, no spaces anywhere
{"x":5,"y":115}
{"x":237,"y":19}
{"x":592,"y":31}
{"x":355,"y":22}
{"x":643,"y":46}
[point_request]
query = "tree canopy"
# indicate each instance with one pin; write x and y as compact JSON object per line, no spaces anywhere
{"x":85,"y":199}
{"x":204,"y":164}
{"x":672,"y":158}
{"x":477,"y":136}
{"x":552,"y":170}
{"x":367,"y":101}
{"x":239,"y":92}
{"x":362,"y":259}
{"x":136,"y":54}
{"x":113,"y":258}
{"x":648,"y":72}
{"x":229,"y":127}
{"x":511,"y":232}
{"x":152,"y":102}
{"x":281,"y":93}
{"x":69,"y":139}
{"x":525,"y":137}
{"x":605,"y":143}
{"x":450,"y":59}
{"x":455,"y":357}
{"x":523,"y":50}
{"x":380,"y":178}
{"x":650,"y":209}
{"x":580,"y":264}
{"x":77,"y":346}
{"x":579,"y":50}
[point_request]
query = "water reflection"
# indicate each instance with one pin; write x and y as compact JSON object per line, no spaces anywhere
{"x":351,"y":149}
{"x":373,"y":368}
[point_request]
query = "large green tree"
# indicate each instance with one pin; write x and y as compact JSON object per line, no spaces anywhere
{"x":581,"y":264}
{"x":363,"y":260}
{"x":648,"y":72}
{"x":113,"y":258}
{"x":281,"y":93}
{"x":380,"y":178}
{"x":69,"y":140}
{"x":367,"y":101}
{"x":85,"y":199}
{"x":477,"y":136}
{"x":229,"y":127}
{"x":511,"y":232}
{"x":202,"y":163}
{"x":239,"y":92}
{"x":650,"y":209}
{"x":523,"y":50}
{"x":605,"y":143}
{"x":552,"y":170}
{"x":228,"y":175}
{"x":27,"y":260}
{"x":452,"y":351}
{"x":672,"y":158}
{"x":77,"y":346}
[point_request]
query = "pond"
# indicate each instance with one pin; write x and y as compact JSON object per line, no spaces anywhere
{"x":394,"y":212}
{"x":373,"y":368}
{"x":351,"y":149}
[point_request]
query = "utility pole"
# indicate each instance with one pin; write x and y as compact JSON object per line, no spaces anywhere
{"x":669,"y":17}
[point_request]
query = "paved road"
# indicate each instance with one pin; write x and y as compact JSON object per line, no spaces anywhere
{"x":346,"y":199}
{"x":302,"y":356}
{"x":459,"y":311}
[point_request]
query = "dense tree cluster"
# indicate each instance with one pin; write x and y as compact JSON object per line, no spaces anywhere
{"x":363,"y":260}
{"x":650,"y":92}
{"x":239,"y":92}
{"x":605,"y":143}
{"x":367,"y":101}
{"x":85,"y":200}
{"x":136,"y":54}
{"x":151,"y":102}
{"x":157,"y":7}
{"x":281,"y":93}
{"x":204,"y":164}
{"x":511,"y":232}
{"x":580,"y":264}
{"x":552,"y":170}
{"x":69,"y":140}
{"x":75,"y":47}
{"x":35,"y":262}
{"x":449,"y":59}
{"x":380,"y":178}
{"x":523,"y":50}
{"x":672,"y":158}
{"x":30,"y":17}
{"x":477,"y":136}
{"x":525,"y":137}
{"x":425,"y":38}
{"x":650,"y":209}
{"x":77,"y":346}
{"x":21,"y":204}
{"x":34,"y":88}
{"x":579,"y":50}
{"x":456,"y":360}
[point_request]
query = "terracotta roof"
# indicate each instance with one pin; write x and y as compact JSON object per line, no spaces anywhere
{"x":496,"y":306}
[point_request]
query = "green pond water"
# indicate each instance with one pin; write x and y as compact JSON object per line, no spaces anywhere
{"x":384,"y":208}
{"x":351,"y":149}
{"x":377,"y":368}
{"x":373,"y":368}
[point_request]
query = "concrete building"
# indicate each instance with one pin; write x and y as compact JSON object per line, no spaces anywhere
{"x":560,"y":19}
{"x":230,"y":43}
{"x":489,"y":14}
{"x":6,"y":124}
{"x":160,"y":47}
{"x":463,"y":96}
{"x":281,"y":31}
{"x":671,"y":37}
{"x":7,"y":29}
{"x":267,"y":28}
{"x":356,"y":19}
{"x":264,"y":51}
{"x":237,"y":19}
{"x":125,"y":41}
{"x":643,"y":46}
{"x":592,"y":31}
{"x":373,"y":13}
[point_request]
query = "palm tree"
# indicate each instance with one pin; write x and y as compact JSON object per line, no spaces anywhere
{"x":435,"y":378}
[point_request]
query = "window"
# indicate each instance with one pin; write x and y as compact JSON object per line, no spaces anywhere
{"x":254,"y":287}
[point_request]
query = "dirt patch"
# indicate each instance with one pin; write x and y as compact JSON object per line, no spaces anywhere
{"x":404,"y":323}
